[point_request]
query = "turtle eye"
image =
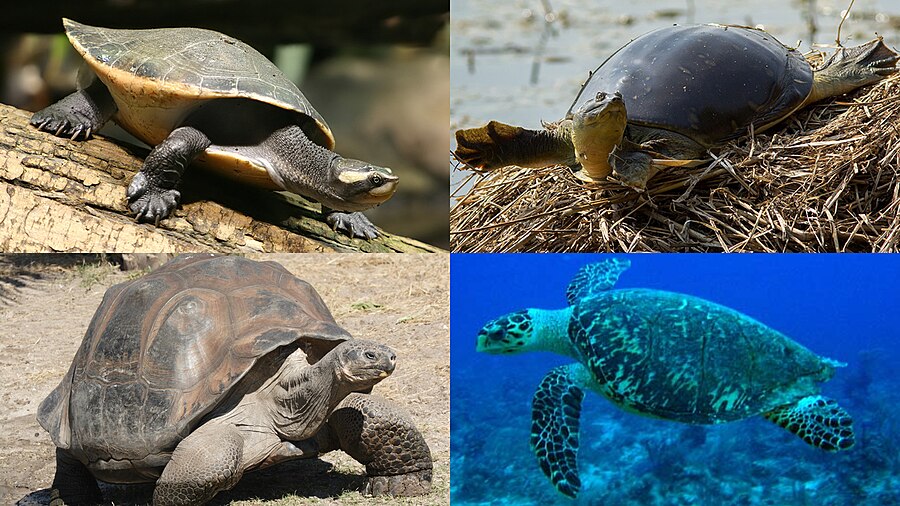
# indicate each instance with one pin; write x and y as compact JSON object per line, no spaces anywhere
{"x":370,"y":355}
{"x":601,"y":96}
{"x":376,"y":180}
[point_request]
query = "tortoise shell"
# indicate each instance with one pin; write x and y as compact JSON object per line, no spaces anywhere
{"x":163,"y":350}
{"x":749,"y":77}
{"x":683,"y":358}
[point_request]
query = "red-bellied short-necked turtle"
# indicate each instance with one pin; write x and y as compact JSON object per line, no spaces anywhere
{"x":667,"y":96}
{"x":210,"y":367}
{"x":199,"y":94}
{"x":665,"y":355}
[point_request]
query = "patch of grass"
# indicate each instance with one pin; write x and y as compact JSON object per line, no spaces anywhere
{"x":366,"y":306}
{"x":90,"y":274}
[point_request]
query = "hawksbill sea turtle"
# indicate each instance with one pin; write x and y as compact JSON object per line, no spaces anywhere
{"x":666,"y":355}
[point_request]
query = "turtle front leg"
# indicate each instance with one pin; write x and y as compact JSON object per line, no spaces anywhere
{"x":73,"y":483}
{"x":78,"y":115}
{"x":205,"y":463}
{"x":634,"y":168}
{"x":381,"y":436}
{"x":152,"y":195}
{"x":352,"y":224}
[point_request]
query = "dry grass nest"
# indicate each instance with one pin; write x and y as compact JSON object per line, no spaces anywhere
{"x":824,"y":180}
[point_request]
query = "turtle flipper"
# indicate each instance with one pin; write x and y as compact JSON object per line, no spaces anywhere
{"x":78,"y":115}
{"x":818,"y":421}
{"x":853,"y":67}
{"x":596,"y":277}
{"x":554,"y":427}
{"x":497,"y":145}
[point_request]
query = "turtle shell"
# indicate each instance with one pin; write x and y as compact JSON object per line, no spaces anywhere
{"x":682,"y":358}
{"x":159,"y":77}
{"x":163,"y":350}
{"x":708,"y":82}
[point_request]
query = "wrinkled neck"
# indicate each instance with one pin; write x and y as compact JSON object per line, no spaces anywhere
{"x":303,"y":397}
{"x":301,"y":166}
{"x":551,"y":331}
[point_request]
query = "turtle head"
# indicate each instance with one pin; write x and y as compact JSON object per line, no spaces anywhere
{"x":358,"y":185}
{"x":597,"y":128}
{"x":361,"y":364}
{"x":511,"y":333}
{"x":528,"y":330}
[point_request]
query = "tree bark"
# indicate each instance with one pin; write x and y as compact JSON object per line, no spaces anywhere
{"x":62,"y":195}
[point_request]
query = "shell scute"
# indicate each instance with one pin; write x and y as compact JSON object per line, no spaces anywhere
{"x":164,"y":350}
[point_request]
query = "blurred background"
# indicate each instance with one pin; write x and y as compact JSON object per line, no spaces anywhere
{"x":523,"y":61}
{"x":377,"y":71}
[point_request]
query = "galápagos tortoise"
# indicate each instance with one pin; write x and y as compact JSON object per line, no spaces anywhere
{"x":210,"y":367}
{"x":665,"y":355}
{"x":667,"y":97}
{"x":200,"y":95}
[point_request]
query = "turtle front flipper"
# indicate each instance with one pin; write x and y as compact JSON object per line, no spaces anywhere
{"x":554,"y":426}
{"x":78,"y":115}
{"x":851,"y":68}
{"x":497,"y":145}
{"x":818,"y":421}
{"x":152,"y":195}
{"x":595,"y":278}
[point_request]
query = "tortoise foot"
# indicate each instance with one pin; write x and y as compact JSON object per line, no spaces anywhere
{"x":410,"y":484}
{"x":150,"y":203}
{"x":352,"y":224}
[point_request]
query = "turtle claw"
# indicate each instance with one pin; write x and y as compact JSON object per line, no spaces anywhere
{"x":352,"y":224}
{"x":71,"y":118}
{"x":149,"y":203}
{"x":411,"y":484}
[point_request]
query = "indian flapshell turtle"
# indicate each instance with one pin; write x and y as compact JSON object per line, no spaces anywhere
{"x":200,"y":95}
{"x":668,"y":96}
{"x":665,"y":355}
{"x":210,"y":367}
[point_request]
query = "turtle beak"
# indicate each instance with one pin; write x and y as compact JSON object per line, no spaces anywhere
{"x":387,"y":188}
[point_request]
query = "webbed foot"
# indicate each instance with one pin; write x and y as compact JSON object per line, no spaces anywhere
{"x":852,"y":67}
{"x":149,"y":203}
{"x":483,"y":147}
{"x":152,"y":194}
{"x":351,"y":224}
{"x":76,"y":117}
{"x":497,"y":145}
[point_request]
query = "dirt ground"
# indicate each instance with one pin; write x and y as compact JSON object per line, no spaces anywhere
{"x":46,"y":302}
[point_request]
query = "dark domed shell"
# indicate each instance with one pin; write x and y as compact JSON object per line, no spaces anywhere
{"x":164,"y":349}
{"x":708,"y":82}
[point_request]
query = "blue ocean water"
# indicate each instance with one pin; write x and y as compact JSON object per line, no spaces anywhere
{"x":845,"y":307}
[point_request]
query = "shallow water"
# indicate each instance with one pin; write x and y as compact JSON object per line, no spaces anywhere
{"x":508,"y":63}
{"x":839,"y":306}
